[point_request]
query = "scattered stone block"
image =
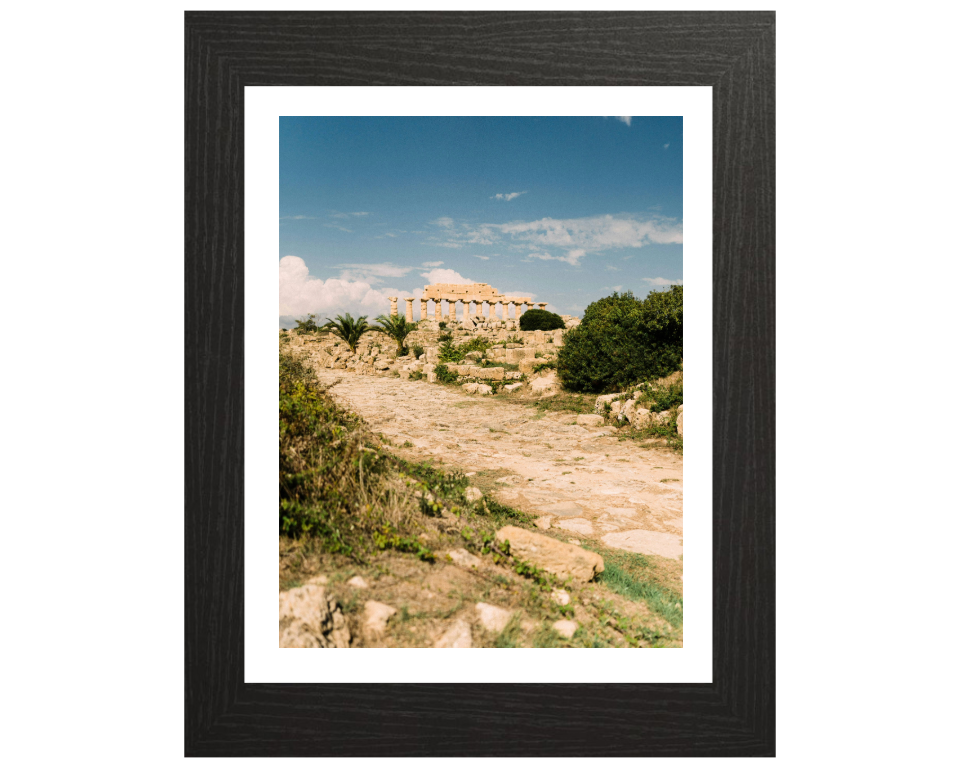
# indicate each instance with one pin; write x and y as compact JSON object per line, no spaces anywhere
{"x":543,"y":523}
{"x":492,"y":618}
{"x":375,"y":618}
{"x":471,"y":387}
{"x":431,"y":378}
{"x":484,"y":389}
{"x":309,"y":618}
{"x":463,"y":558}
{"x":457,"y":636}
{"x":565,"y":627}
{"x":561,"y":559}
{"x":560,"y":597}
{"x":589,"y":420}
{"x":359,"y":582}
{"x":512,"y":387}
{"x":473,"y":493}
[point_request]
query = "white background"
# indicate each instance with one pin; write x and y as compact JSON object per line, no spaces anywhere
{"x":263,"y":661}
{"x":867,"y":406}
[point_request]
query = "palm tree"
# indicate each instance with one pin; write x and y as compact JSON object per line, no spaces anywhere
{"x":348,"y":329}
{"x":396,"y":327}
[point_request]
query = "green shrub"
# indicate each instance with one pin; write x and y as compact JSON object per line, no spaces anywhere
{"x":549,"y":364}
{"x":661,"y":397}
{"x":307,"y":324}
{"x":444,"y":374}
{"x":621,"y":340}
{"x":540,"y":320}
{"x":445,"y":337}
{"x":417,"y":350}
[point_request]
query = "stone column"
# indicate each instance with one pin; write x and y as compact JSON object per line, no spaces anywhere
{"x":393,"y":306}
{"x":423,"y":309}
{"x":437,"y":310}
{"x":491,"y":310}
{"x":453,"y":309}
{"x":409,"y":310}
{"x":542,"y":304}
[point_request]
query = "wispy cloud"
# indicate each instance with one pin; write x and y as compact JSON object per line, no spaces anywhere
{"x":371,"y":273}
{"x":508,"y":196}
{"x":444,"y":221}
{"x":575,"y":238}
{"x":662,"y":281}
{"x":432,"y":264}
{"x":339,"y":215}
{"x":337,"y":226}
{"x":483,"y":258}
{"x":296,"y":218}
{"x":666,"y":146}
{"x":624,"y":120}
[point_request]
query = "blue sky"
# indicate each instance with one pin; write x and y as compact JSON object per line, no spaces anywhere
{"x":563,"y":209}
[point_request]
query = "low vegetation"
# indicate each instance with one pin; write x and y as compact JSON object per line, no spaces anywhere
{"x":540,"y":320}
{"x":622,"y":339}
{"x":348,"y":330}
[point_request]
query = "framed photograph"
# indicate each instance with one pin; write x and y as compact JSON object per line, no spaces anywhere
{"x":451,"y":175}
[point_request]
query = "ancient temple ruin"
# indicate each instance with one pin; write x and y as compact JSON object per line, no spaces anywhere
{"x":473,"y":297}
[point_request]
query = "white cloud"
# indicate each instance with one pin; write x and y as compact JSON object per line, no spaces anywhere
{"x":432,"y":264}
{"x":666,"y":146}
{"x":478,"y":256}
{"x":296,"y":218}
{"x":371,"y":273}
{"x":508,"y":196}
{"x":596,"y":233}
{"x":662,"y":281}
{"x":444,"y":221}
{"x":572,"y":258}
{"x":446,"y":276}
{"x":301,"y":294}
{"x":339,"y":215}
{"x":337,"y":226}
{"x":624,"y":120}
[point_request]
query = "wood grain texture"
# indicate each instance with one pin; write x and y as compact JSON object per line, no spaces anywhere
{"x":732,"y":52}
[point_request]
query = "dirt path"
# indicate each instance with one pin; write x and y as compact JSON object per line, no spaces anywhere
{"x":582,"y":480}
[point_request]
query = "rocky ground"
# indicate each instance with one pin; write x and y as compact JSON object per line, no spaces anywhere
{"x":601,"y":513}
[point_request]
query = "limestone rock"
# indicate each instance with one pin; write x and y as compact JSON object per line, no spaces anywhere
{"x":431,"y":378}
{"x":599,"y":407}
{"x":646,"y":543}
{"x":565,"y":627}
{"x":589,"y":420}
{"x":561,"y":559}
{"x":428,"y":367}
{"x":473,"y":493}
{"x":471,"y":387}
{"x":545,"y":385}
{"x":512,"y":387}
{"x":639,"y":417}
{"x":375,"y":618}
{"x":484,"y":389}
{"x":464,"y":559}
{"x":576,"y":524}
{"x":492,"y":618}
{"x":560,"y":597}
{"x":359,"y":582}
{"x":309,"y":618}
{"x":680,"y":421}
{"x":543,"y":523}
{"x":457,"y":636}
{"x":492,"y":374}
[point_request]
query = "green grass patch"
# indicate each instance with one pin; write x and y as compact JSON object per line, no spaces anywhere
{"x":620,"y":577}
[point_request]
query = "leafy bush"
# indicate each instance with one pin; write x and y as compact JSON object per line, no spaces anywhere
{"x":417,"y":350}
{"x":444,"y":374}
{"x":661,"y":397}
{"x":621,"y":340}
{"x":455,"y":353}
{"x":445,"y":337}
{"x":540,"y":320}
{"x":334,"y":484}
{"x":307,"y":324}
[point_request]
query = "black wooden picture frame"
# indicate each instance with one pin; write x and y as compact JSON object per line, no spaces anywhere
{"x":732,"y":52}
